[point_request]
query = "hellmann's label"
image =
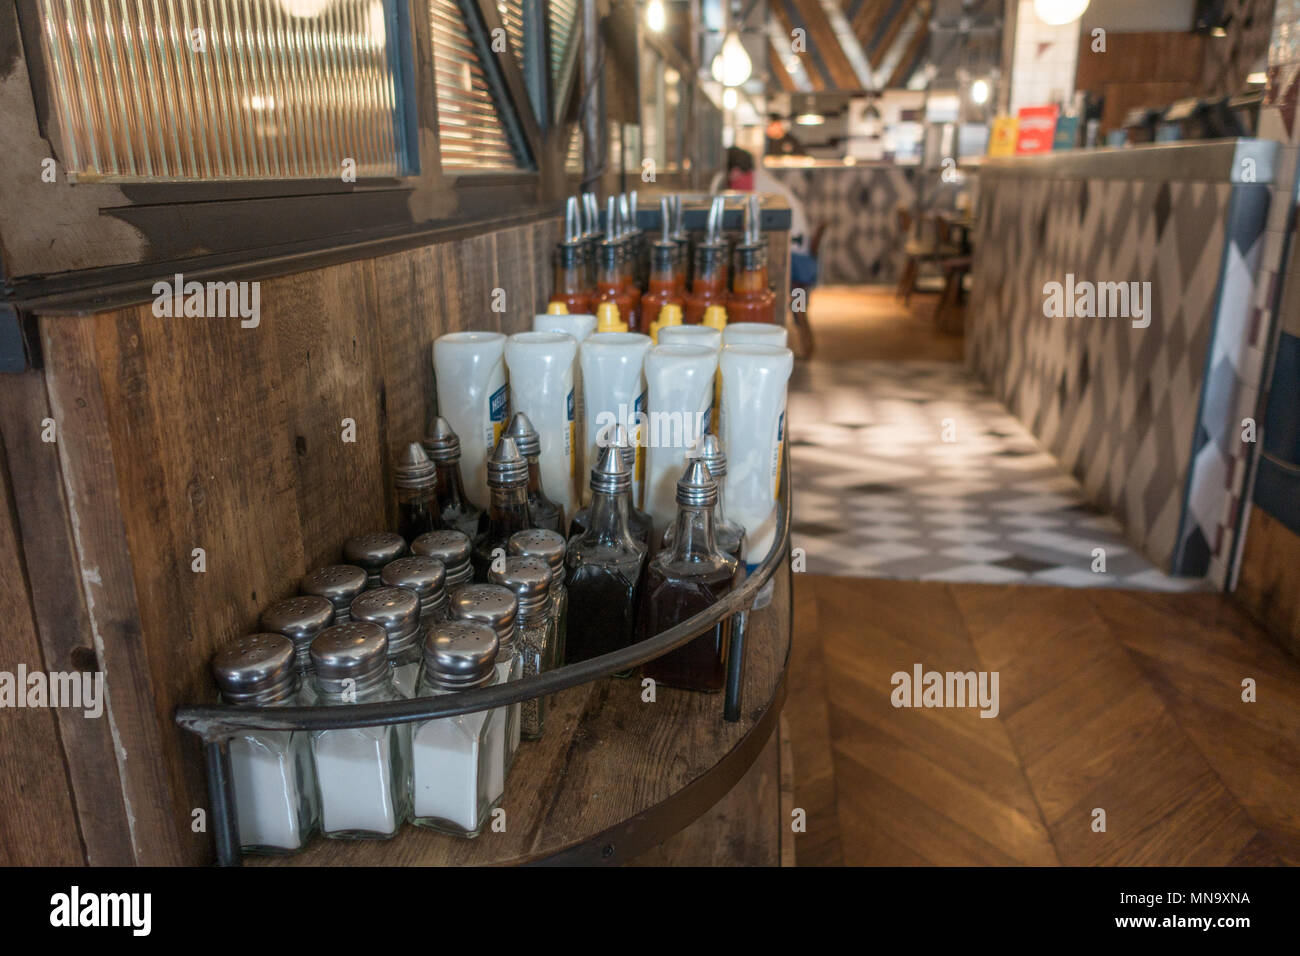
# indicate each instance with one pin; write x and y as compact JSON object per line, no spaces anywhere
{"x":498,"y":407}
{"x":570,"y":438}
{"x":776,"y":455}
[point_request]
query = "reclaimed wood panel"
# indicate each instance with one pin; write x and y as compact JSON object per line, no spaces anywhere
{"x":1269,"y":581}
{"x":35,"y":802}
{"x":50,"y":562}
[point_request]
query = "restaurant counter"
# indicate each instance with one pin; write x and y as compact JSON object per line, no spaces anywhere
{"x":1145,"y":409}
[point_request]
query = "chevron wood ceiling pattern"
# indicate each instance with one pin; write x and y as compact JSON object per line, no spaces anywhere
{"x":877,"y":26}
{"x":1125,"y":700}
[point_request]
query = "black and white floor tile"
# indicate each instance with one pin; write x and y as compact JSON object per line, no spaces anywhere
{"x":913,"y":470}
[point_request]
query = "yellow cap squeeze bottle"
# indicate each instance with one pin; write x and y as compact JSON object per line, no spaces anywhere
{"x":715,"y":317}
{"x":607,"y":319}
{"x":670,"y":314}
{"x":556,"y":308}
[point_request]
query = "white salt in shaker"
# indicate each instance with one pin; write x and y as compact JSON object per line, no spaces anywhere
{"x":495,"y":606}
{"x":397,"y":611}
{"x":455,"y":780}
{"x":364,"y":773}
{"x":275,"y":790}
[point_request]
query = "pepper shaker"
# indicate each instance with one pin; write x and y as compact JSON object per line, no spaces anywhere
{"x":551,"y":548}
{"x":496,"y":607}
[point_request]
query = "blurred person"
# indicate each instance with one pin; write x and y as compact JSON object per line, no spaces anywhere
{"x":743,"y":175}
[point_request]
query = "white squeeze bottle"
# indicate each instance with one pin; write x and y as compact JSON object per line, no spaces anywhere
{"x":755,"y":333}
{"x":581,"y":327}
{"x":708,"y":337}
{"x":541,"y":386}
{"x":754,"y":381}
{"x":470,"y":374}
{"x":614,"y":392}
{"x":679,"y":380}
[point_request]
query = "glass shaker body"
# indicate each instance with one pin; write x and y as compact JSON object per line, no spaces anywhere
{"x":456,"y":775}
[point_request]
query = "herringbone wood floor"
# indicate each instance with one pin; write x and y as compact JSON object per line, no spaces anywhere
{"x":1127,"y":701}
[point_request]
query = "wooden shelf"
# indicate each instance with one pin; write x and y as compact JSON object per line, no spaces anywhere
{"x":612,"y":776}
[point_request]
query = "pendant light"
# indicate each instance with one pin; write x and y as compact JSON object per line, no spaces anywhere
{"x":732,"y":65}
{"x":1057,"y":13}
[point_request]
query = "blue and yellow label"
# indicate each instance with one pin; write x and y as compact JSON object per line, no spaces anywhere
{"x":570,"y":436}
{"x":498,"y":407}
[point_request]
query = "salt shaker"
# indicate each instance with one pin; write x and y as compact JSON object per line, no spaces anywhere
{"x":530,"y":580}
{"x":339,"y":584}
{"x":274,"y":782}
{"x":453,"y":549}
{"x":364,"y":773}
{"x":372,"y":551}
{"x":495,"y":606}
{"x":425,"y":576}
{"x":456,"y":761}
{"x":300,"y":619}
{"x":397,"y":611}
{"x":550,"y":547}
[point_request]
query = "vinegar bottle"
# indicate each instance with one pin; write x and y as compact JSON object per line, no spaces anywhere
{"x":508,"y":509}
{"x":685,"y":579}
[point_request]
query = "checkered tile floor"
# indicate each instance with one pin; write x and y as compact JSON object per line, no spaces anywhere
{"x":913,"y":470}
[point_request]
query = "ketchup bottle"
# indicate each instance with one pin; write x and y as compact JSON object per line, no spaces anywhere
{"x":570,"y":288}
{"x":663,"y":272}
{"x":752,"y":299}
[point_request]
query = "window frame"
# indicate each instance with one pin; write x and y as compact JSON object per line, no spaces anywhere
{"x":199,"y":223}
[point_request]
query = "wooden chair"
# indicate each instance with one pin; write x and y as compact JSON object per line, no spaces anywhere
{"x":948,"y":314}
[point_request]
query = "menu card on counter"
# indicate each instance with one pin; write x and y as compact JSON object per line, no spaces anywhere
{"x":1037,"y":129}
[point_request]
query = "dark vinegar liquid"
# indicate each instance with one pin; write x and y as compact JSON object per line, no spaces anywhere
{"x":416,"y":517}
{"x":602,"y":612}
{"x":638,"y":525}
{"x":701,"y":664}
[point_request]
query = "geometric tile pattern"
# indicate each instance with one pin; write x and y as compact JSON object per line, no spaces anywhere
{"x":1122,"y":407}
{"x":913,"y":470}
{"x":858,"y":207}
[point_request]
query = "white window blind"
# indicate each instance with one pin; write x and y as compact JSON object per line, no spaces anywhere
{"x":184,"y":90}
{"x":470,"y":129}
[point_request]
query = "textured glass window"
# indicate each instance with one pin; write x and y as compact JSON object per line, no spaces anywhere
{"x":156,"y":90}
{"x":471,"y":133}
{"x":563,"y":16}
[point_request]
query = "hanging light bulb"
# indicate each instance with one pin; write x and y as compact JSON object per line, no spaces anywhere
{"x":732,"y":66}
{"x":729,"y":98}
{"x":1057,"y":13}
{"x":979,"y":92}
{"x":655,"y":15}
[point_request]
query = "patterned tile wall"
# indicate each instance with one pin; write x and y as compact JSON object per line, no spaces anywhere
{"x":857,"y":205}
{"x":1123,"y":407}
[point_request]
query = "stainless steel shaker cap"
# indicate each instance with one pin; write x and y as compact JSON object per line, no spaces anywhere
{"x":489,"y":604}
{"x":338,"y":584}
{"x":450,"y":547}
{"x":413,"y":470}
{"x":530,"y":580}
{"x":539,"y":543}
{"x":696,"y":488}
{"x":357,"y":650}
{"x":524,"y":435}
{"x":507,"y":468}
{"x":442,"y":444}
{"x":396,"y":610}
{"x":425,"y":575}
{"x":299,"y":618}
{"x":373,"y":550}
{"x":460,"y":653}
{"x":255,"y":668}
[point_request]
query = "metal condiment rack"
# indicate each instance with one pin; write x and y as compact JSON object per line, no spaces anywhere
{"x":217,"y":723}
